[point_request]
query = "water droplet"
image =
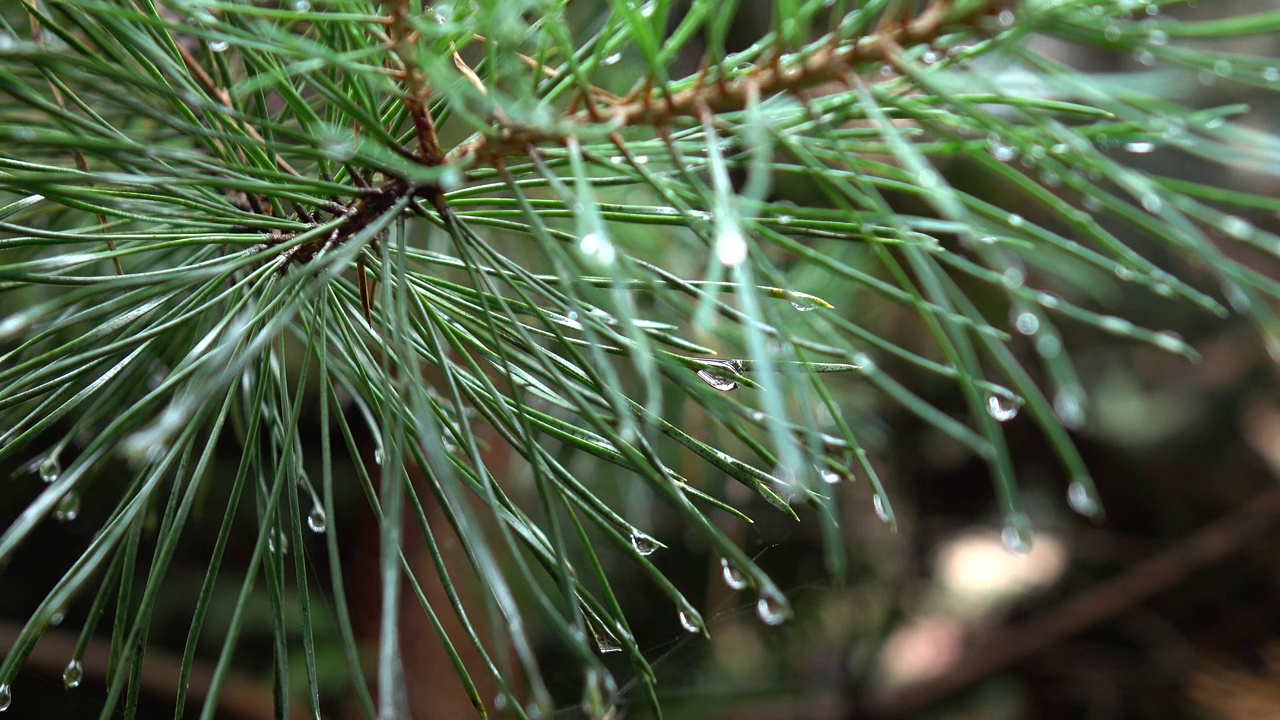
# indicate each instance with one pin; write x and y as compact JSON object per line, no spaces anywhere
{"x":883,"y":511}
{"x":829,"y":476}
{"x":1237,"y":227}
{"x":1271,"y":74}
{"x":1171,"y":341}
{"x":1222,"y":68}
{"x":1000,"y":408}
{"x":1013,"y":278}
{"x":929,"y":57}
{"x":6,"y":697}
{"x":643,"y":544}
{"x":597,"y":246}
{"x":731,"y":576}
{"x":1140,"y":148}
{"x":271,"y":543}
{"x":687,"y":623}
{"x":218,"y":46}
{"x":301,"y":5}
{"x":731,"y":247}
{"x":1151,"y":202}
{"x":642,"y":159}
{"x":1026,"y":323}
{"x":1069,"y":407}
{"x":57,"y":617}
{"x":1048,"y":345}
{"x":50,"y":469}
{"x":377,"y":456}
{"x":612,"y":59}
{"x":1005,"y":18}
{"x":1015,"y":220}
{"x":1157,"y":37}
{"x":1016,"y":538}
{"x":68,"y":507}
{"x":72,"y":674}
{"x":1144,"y":57}
{"x":1081,"y":500}
{"x":450,"y":178}
{"x":605,"y":642}
{"x":802,"y":305}
{"x":999,"y":150}
{"x":772,"y":609}
{"x":1112,"y":32}
{"x":617,"y":159}
{"x":317,"y":520}
{"x":712,"y":376}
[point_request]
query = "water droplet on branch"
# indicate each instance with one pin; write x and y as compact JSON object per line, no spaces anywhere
{"x":317,"y":521}
{"x":1081,"y":500}
{"x":731,"y":576}
{"x":72,"y":674}
{"x":68,"y":507}
{"x":50,"y":469}
{"x":1001,"y":409}
{"x":687,"y":623}
{"x":643,"y":544}
{"x":712,"y":376}
{"x":772,"y":609}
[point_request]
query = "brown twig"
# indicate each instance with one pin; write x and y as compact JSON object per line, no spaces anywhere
{"x":417,"y":88}
{"x":731,"y":95}
{"x":1095,"y":605}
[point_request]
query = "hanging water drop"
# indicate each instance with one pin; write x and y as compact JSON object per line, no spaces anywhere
{"x":882,"y":508}
{"x":377,"y":456}
{"x":50,"y":469}
{"x":687,"y":623}
{"x":218,"y":46}
{"x":1000,"y":408}
{"x":72,"y":674}
{"x":1069,"y":408}
{"x":829,"y":476}
{"x":272,"y":542}
{"x":999,"y":150}
{"x":6,"y":697}
{"x":612,"y":59}
{"x":731,"y":576}
{"x":317,"y":521}
{"x":1027,"y":323}
{"x":802,"y":305}
{"x":1140,"y":148}
{"x":1016,"y":538}
{"x":772,"y":609}
{"x":715,"y":379}
{"x":643,"y":544}
{"x":1081,"y":499}
{"x":68,"y":507}
{"x":604,"y":641}
{"x":1048,"y":345}
{"x":57,"y":617}
{"x":302,"y":5}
